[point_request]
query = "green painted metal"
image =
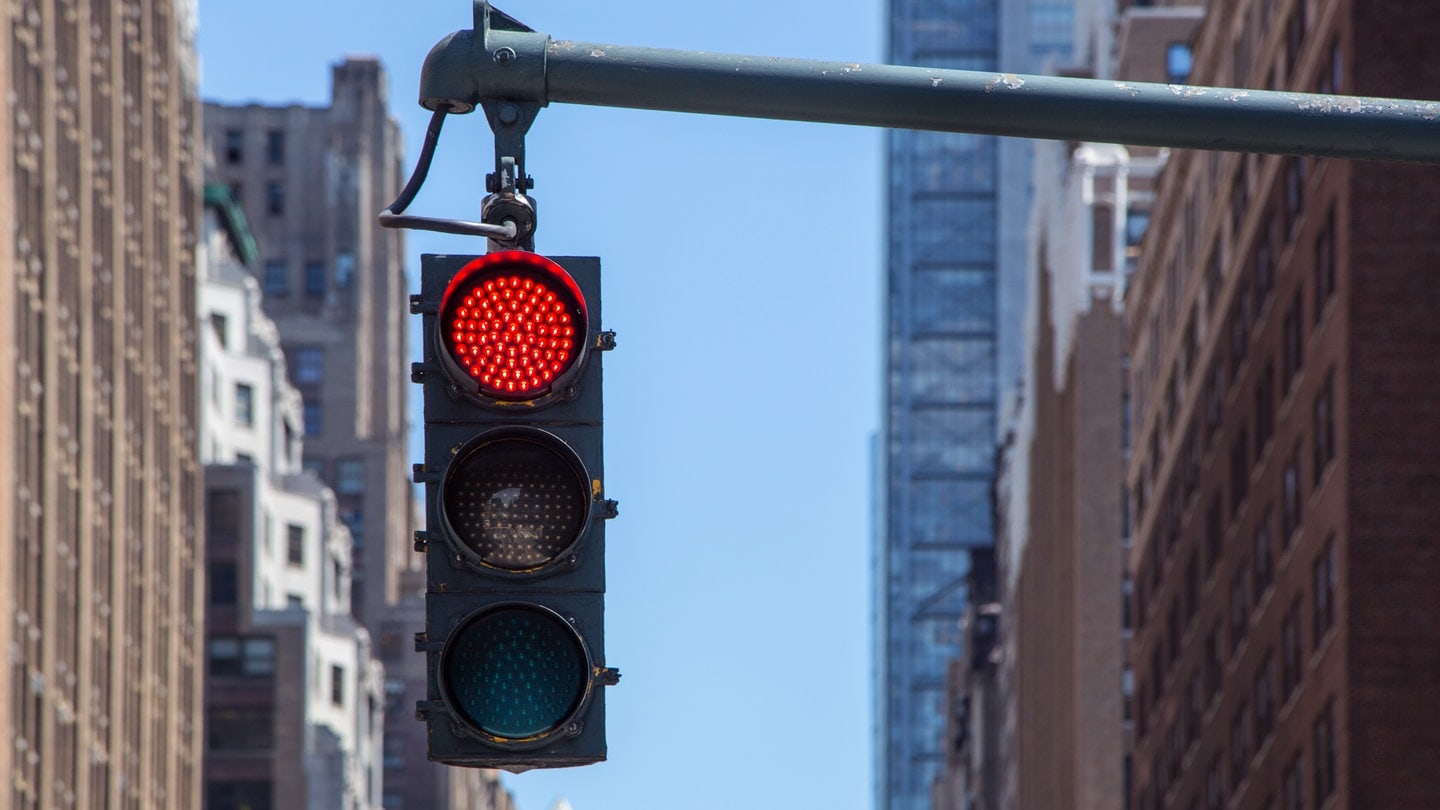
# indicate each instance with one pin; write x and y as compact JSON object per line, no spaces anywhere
{"x":507,"y":61}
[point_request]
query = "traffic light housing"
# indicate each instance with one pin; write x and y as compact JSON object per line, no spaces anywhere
{"x":515,"y":510}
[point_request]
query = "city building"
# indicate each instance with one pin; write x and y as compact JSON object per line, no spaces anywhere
{"x":1283,"y":375}
{"x":1048,"y":727}
{"x":311,"y":181}
{"x":100,"y":557}
{"x":958,"y":207}
{"x":1059,"y":547}
{"x":294,"y":695}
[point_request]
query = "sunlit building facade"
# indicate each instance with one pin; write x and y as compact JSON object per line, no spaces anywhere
{"x":958,"y":206}
{"x":100,"y":558}
{"x":293,"y":691}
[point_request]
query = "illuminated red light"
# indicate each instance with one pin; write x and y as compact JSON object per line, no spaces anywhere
{"x":514,"y":322}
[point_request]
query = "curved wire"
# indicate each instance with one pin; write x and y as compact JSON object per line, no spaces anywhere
{"x":394,"y":217}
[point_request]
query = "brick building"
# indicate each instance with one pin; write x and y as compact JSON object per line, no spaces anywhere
{"x":1284,"y":371}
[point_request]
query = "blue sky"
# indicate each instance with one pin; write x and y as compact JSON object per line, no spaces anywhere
{"x":742,"y":264}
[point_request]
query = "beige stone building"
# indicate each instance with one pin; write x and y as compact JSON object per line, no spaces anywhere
{"x":100,"y":563}
{"x":311,"y":181}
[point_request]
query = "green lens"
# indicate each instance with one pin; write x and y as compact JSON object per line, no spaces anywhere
{"x":515,"y":672}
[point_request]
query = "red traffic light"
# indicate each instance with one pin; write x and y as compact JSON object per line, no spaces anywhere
{"x":513,"y":325}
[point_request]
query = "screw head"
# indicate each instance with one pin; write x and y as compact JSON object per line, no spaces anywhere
{"x":504,"y":56}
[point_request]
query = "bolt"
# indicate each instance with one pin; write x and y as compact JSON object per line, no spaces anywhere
{"x":504,"y":56}
{"x":509,"y":113}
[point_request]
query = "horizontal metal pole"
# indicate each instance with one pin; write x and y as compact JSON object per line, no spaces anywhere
{"x":528,"y":66}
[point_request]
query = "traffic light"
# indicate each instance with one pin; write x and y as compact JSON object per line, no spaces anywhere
{"x":515,"y":510}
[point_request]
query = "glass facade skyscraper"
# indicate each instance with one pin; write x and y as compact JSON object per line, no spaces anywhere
{"x":957,"y":208}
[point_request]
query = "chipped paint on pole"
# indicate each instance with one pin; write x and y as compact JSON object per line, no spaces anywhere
{"x":466,"y":67}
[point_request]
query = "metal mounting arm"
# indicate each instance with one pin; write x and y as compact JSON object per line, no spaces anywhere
{"x":508,"y":61}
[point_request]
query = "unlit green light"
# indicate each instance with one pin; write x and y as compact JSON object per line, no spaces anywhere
{"x":516,"y":672}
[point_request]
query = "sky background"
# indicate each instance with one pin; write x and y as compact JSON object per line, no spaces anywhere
{"x":742,"y":265}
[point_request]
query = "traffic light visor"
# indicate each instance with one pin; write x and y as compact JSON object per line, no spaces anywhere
{"x":515,"y":499}
{"x":515,"y":324}
{"x":516,"y":673}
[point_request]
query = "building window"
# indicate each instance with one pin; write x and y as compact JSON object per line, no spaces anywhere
{"x":1214,"y":399}
{"x":1324,"y":427}
{"x":1265,"y":679}
{"x":314,"y":418}
{"x":1214,"y":662}
{"x":1194,"y":709}
{"x":220,"y":326}
{"x":394,"y":756}
{"x":1324,"y":582}
{"x":1192,"y":588}
{"x":1239,"y":470}
{"x":244,"y":404}
{"x":1239,"y":608}
{"x":222,"y":512}
{"x":1324,"y":266}
{"x":234,"y":146}
{"x":1264,"y":409}
{"x":1292,"y":353}
{"x":1240,"y":745}
{"x":1290,"y":497}
{"x":1292,"y":654}
{"x":275,"y":198}
{"x":1294,"y":193}
{"x":309,"y":366}
{"x":1265,"y":248}
{"x":1238,"y":194}
{"x":1178,"y":62}
{"x":295,"y":544}
{"x":228,"y":795}
{"x":1292,"y":785}
{"x":232,"y":657}
{"x":1264,"y":553}
{"x":337,"y":685}
{"x":1294,"y":37}
{"x":337,"y":579}
{"x":224,"y":583}
{"x":1214,"y":787}
{"x":224,"y":657}
{"x":1214,"y":535}
{"x":344,"y":269}
{"x":350,"y":476}
{"x":250,"y":728}
{"x":257,"y":657}
{"x":275,"y":147}
{"x":1239,"y":332}
{"x":315,"y":281}
{"x":1324,"y":764}
{"x":276,"y":281}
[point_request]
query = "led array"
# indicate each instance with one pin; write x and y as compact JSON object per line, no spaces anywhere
{"x":513,"y":334}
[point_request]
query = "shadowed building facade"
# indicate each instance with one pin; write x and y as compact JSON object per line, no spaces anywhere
{"x":1284,"y":371}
